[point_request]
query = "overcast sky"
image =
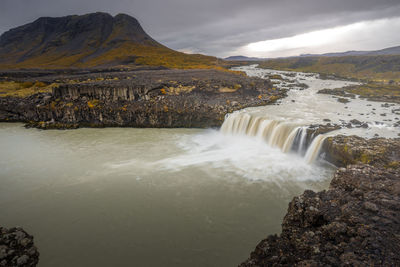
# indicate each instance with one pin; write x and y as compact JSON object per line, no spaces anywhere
{"x":263,"y":28}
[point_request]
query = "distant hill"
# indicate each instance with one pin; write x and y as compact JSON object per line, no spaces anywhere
{"x":243,"y":58}
{"x":387,"y":51}
{"x":378,"y":68}
{"x":96,"y":39}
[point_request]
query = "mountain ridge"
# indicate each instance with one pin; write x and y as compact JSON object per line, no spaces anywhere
{"x":395,"y":50}
{"x":95,"y":39}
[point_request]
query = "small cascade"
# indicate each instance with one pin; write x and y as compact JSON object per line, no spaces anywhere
{"x":290,"y":140}
{"x":283,"y":135}
{"x":301,"y":139}
{"x":315,"y":148}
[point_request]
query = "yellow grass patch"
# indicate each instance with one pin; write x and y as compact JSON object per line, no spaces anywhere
{"x":24,"y":89}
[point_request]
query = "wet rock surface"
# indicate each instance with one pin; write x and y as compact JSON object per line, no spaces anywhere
{"x":354,"y":223}
{"x":17,"y":248}
{"x":338,"y":92}
{"x":342,"y":150}
{"x":146,"y":98}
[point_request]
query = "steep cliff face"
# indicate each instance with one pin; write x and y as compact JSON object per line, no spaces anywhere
{"x":164,"y":98}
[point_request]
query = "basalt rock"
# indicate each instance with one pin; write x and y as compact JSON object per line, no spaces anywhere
{"x":153,"y":98}
{"x":17,"y":248}
{"x":354,"y":223}
{"x":343,"y":150}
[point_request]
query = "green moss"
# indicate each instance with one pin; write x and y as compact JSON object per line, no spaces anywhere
{"x":393,"y":165}
{"x":24,"y":89}
{"x":376,"y":90}
{"x":27,"y":84}
{"x":93,"y":103}
{"x":365,"y":158}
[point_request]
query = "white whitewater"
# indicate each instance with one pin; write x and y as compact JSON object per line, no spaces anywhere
{"x":302,"y":139}
{"x":278,"y":134}
{"x":275,"y":133}
{"x":315,"y":148}
{"x":287,"y":126}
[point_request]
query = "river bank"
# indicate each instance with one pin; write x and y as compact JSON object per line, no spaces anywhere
{"x":123,"y":194}
{"x":354,"y":221}
{"x":259,"y":160}
{"x":142,"y":98}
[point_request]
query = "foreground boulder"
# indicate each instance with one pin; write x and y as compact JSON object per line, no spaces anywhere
{"x":354,"y":223}
{"x":17,"y":248}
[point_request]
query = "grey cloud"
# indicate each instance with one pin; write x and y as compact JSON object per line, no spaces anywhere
{"x":214,"y":27}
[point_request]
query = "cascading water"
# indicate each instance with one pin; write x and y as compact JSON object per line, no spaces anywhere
{"x":315,"y":147}
{"x":287,"y":136}
{"x":287,"y":126}
{"x":301,"y":137}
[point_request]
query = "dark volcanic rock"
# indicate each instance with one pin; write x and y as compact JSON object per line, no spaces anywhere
{"x":343,"y":100}
{"x":337,"y":92}
{"x":355,"y":223}
{"x":156,"y":98}
{"x":17,"y":248}
{"x":88,"y":36}
{"x":343,"y":150}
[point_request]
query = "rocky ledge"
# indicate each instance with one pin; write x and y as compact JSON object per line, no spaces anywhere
{"x":370,"y":91}
{"x":144,"y":98}
{"x":343,"y":150}
{"x":354,"y":223}
{"x":17,"y":248}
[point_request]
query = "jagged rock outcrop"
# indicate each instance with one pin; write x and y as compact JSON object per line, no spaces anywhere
{"x":17,"y":248}
{"x":354,"y":223}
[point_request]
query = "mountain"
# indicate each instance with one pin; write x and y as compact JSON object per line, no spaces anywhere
{"x":387,"y":51}
{"x":96,"y":39}
{"x":243,"y":58}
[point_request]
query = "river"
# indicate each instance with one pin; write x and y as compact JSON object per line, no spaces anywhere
{"x":160,"y":197}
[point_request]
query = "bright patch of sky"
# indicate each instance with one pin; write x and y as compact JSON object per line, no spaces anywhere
{"x":375,"y":34}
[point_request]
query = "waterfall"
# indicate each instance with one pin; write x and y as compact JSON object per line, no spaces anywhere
{"x":302,"y":136}
{"x":315,"y":148}
{"x":287,"y":136}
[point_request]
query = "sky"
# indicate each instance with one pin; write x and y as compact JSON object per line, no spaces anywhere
{"x":259,"y":28}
